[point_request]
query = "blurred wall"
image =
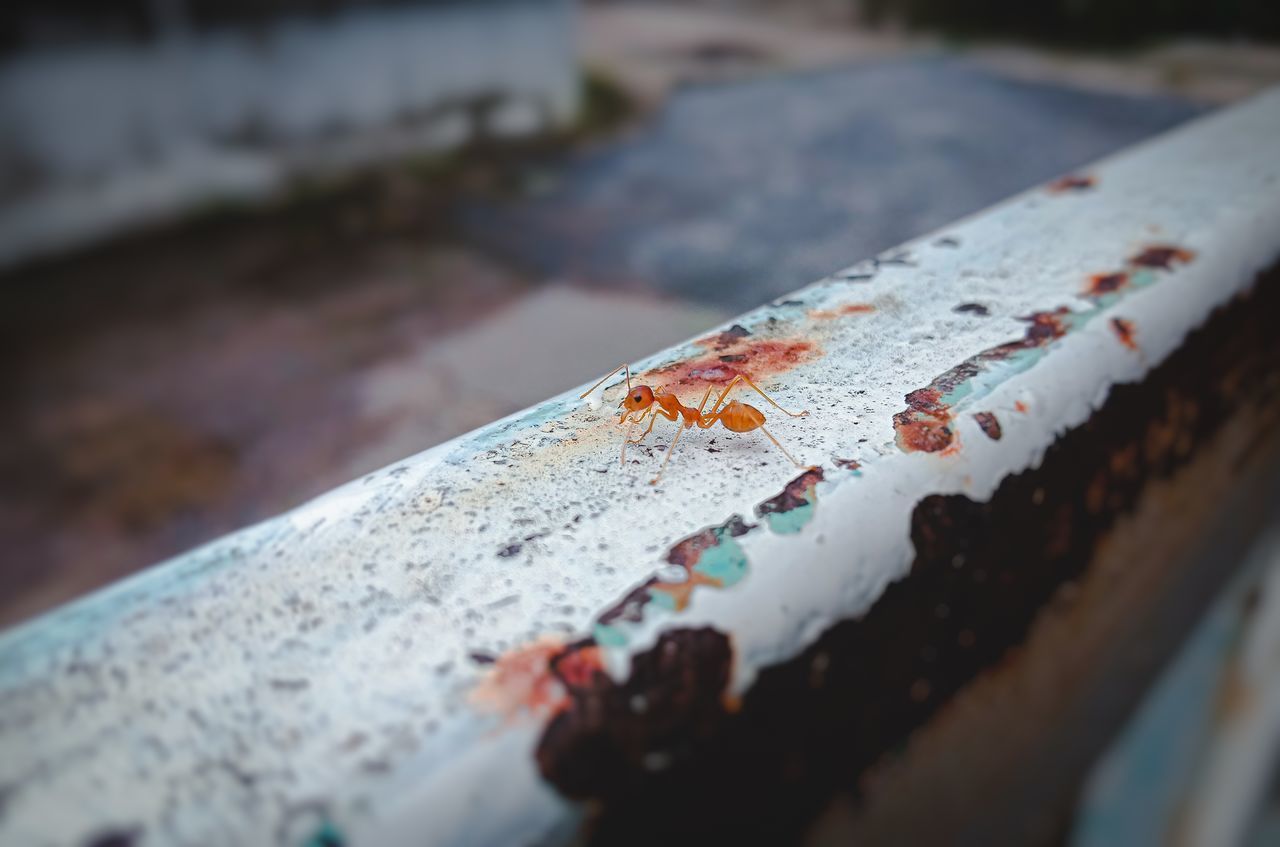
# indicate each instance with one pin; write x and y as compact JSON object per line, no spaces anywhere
{"x":117,"y":114}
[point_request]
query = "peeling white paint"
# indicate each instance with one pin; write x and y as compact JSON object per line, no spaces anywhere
{"x":320,"y":664}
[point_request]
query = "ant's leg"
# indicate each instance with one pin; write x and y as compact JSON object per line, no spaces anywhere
{"x":667,"y":458}
{"x":705,"y":395}
{"x":653,"y":419}
{"x":626,"y":439}
{"x":706,"y":419}
{"x":778,"y":444}
{"x":744,"y":378}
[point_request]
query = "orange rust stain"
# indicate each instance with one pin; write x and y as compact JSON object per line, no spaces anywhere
{"x":1072,"y":182}
{"x":923,"y":433}
{"x":1045,"y":327}
{"x":1021,"y":407}
{"x":577,"y":666}
{"x":1162,"y":256}
{"x":990,"y":424}
{"x":523,"y":680}
{"x":1125,"y":331}
{"x":1100,"y":284}
{"x":848,"y":309}
{"x":754,"y":358}
{"x":926,"y":424}
{"x":681,"y":592}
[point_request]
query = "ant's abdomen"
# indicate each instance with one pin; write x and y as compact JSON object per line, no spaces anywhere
{"x":739,"y":417}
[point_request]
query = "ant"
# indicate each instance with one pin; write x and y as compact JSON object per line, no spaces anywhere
{"x":642,"y":401}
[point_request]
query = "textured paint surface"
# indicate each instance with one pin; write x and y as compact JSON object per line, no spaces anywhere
{"x":388,"y":658}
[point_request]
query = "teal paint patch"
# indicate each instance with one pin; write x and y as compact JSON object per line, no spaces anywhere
{"x":725,"y":564}
{"x":711,"y":557}
{"x":789,"y":523}
{"x":791,"y":511}
{"x":327,"y":835}
{"x":608,"y":636}
{"x":664,"y":600}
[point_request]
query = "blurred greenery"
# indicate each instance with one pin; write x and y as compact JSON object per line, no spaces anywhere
{"x":1103,"y":23}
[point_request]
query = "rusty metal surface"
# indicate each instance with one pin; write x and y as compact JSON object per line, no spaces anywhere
{"x":379,"y":666}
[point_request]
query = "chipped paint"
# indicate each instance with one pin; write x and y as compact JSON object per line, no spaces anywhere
{"x":790,"y":511}
{"x":1162,"y":257}
{"x":1125,"y":331}
{"x":927,"y":426}
{"x":989,"y":423}
{"x":379,"y":594}
{"x":1072,"y":182}
{"x":711,"y":557}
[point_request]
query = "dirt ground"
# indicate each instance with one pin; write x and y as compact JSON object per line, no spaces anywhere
{"x":176,"y":385}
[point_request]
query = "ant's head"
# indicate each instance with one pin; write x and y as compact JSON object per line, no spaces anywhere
{"x":639,"y":398}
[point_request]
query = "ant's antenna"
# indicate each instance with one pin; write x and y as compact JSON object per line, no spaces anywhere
{"x":622,"y":367}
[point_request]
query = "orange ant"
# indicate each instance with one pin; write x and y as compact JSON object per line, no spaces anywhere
{"x":642,"y":401}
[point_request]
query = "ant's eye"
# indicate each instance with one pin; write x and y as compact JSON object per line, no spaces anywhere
{"x":636,"y":398}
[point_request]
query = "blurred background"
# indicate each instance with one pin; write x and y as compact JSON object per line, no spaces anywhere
{"x":250,"y":250}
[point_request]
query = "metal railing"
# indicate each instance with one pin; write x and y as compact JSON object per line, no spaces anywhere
{"x":446,"y":650}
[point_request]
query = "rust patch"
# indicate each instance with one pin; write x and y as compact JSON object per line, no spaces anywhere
{"x":1125,"y":331}
{"x":925,"y":426}
{"x":848,"y":464}
{"x":610,"y":734}
{"x":754,"y":358}
{"x":842,"y":311}
{"x":1163,"y":257}
{"x":990,"y":424}
{"x":1072,"y":182}
{"x":924,"y":434}
{"x":1021,"y":407}
{"x":1100,"y":284}
{"x":524,"y":679}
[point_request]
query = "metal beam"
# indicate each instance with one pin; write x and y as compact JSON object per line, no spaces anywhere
{"x":404,"y":659}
